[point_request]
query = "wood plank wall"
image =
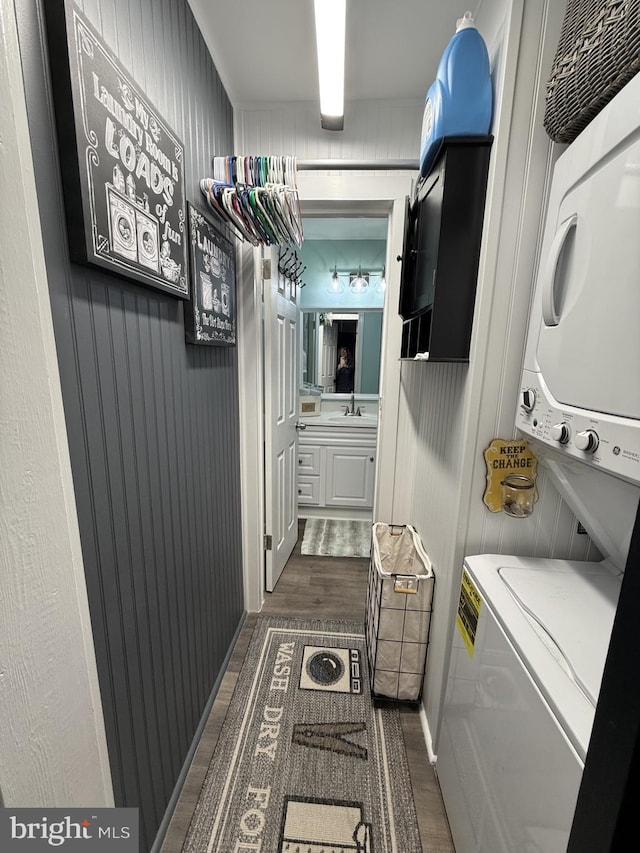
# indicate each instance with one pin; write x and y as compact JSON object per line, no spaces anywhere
{"x":152,"y":425}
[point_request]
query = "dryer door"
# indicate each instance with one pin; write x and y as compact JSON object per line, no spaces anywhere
{"x":588,"y":347}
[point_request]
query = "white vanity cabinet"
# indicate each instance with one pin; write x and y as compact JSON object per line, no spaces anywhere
{"x":349,"y":476}
{"x":336,"y":467}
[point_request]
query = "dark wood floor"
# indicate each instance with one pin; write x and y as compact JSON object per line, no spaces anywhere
{"x":321,"y":588}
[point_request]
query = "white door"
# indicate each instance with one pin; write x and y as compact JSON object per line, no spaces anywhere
{"x":328,"y":349}
{"x":281,"y":414}
{"x":588,"y":345}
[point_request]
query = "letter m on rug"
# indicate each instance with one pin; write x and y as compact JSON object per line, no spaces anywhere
{"x":330,"y":736}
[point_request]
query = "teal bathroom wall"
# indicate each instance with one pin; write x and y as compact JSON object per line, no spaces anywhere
{"x":322,"y":256}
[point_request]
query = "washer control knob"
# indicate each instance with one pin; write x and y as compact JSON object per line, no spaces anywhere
{"x":587,"y":440}
{"x":560,"y":433}
{"x":528,"y":399}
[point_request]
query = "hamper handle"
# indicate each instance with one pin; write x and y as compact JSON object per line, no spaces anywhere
{"x":406,"y":584}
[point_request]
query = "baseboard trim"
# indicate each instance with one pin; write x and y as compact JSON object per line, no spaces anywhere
{"x":426,"y":732}
{"x":342,"y":512}
{"x":175,"y":796}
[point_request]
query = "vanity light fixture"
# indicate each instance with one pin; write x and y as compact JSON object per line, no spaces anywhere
{"x":330,"y":18}
{"x":359,"y":282}
{"x":336,"y":286}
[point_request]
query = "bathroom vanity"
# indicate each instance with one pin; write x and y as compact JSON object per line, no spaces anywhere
{"x":336,"y":465}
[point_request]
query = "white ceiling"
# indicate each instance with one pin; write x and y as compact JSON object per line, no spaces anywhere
{"x":264,"y":50}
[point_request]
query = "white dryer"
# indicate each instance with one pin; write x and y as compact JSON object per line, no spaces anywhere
{"x":532,"y":635}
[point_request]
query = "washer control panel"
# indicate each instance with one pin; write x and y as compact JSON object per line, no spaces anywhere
{"x":604,"y":441}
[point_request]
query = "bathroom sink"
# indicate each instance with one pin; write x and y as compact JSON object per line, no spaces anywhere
{"x":353,"y":420}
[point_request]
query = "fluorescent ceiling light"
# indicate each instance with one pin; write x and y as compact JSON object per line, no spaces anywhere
{"x":330,"y":33}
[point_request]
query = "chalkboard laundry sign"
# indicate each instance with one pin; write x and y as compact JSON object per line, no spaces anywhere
{"x":122,"y":165}
{"x":210,"y":315}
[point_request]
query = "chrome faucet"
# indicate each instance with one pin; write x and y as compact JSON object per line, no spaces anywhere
{"x":352,"y":410}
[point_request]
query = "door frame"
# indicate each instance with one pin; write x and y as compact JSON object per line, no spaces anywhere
{"x":331,"y":195}
{"x":280,"y":301}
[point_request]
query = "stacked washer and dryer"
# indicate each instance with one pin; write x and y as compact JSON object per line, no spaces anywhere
{"x":528,"y":660}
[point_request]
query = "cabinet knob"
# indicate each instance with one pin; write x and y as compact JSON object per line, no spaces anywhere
{"x":299,"y":461}
{"x":299,"y":491}
{"x":371,"y":459}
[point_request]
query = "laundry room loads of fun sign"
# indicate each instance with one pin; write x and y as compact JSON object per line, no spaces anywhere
{"x":122,"y":165}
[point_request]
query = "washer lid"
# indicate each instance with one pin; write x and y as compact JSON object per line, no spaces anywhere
{"x":582,"y":640}
{"x":558,"y":615}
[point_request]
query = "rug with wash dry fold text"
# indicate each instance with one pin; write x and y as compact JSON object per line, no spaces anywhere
{"x":305,"y":762}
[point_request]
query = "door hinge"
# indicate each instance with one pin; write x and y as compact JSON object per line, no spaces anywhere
{"x":266,"y":269}
{"x":268,"y":542}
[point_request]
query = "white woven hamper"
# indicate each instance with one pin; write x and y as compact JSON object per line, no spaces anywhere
{"x":398,"y":612}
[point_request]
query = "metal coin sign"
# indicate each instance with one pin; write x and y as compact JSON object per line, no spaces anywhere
{"x":504,"y":457}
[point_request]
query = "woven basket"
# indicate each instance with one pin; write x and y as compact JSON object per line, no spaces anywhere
{"x":598,"y":52}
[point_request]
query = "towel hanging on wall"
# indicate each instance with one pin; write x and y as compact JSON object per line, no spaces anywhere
{"x":258,"y":197}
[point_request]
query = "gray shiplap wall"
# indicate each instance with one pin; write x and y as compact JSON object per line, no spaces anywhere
{"x":152,"y":425}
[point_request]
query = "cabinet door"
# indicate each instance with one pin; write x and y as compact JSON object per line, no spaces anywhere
{"x":350,"y":475}
{"x":308,"y":459}
{"x":308,"y":491}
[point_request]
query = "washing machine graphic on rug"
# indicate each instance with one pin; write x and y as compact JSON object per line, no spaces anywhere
{"x":332,"y":670}
{"x":324,"y":826}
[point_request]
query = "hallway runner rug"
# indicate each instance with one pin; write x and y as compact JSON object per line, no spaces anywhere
{"x":305,"y":763}
{"x":336,"y":537}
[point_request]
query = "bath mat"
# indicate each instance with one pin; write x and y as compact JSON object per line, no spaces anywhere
{"x":305,"y":761}
{"x":336,"y":537}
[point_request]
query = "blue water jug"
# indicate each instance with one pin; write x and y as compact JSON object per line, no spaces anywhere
{"x":460,"y":100}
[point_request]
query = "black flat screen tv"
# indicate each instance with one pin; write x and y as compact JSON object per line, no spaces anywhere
{"x":420,"y":251}
{"x":441,"y":252}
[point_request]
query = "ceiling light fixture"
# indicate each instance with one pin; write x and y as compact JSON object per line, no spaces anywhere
{"x":330,"y":40}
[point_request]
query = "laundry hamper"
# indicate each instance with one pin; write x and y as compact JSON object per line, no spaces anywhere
{"x":597,"y":54}
{"x":398,"y":612}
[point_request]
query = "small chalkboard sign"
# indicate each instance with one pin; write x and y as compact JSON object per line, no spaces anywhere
{"x":122,"y":165}
{"x":210,"y":315}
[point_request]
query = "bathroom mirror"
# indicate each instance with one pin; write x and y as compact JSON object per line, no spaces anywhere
{"x":324,"y":334}
{"x":342,"y":301}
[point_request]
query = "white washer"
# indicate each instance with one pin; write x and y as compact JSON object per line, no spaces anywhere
{"x":521,"y":699}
